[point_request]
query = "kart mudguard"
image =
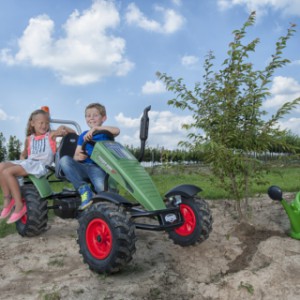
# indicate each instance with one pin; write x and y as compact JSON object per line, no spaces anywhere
{"x":42,"y":185}
{"x":184,"y":190}
{"x":111,"y":197}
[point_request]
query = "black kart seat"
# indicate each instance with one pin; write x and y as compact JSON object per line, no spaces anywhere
{"x":67,"y":146}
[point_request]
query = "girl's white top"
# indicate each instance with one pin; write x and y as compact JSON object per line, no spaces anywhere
{"x":41,"y":150}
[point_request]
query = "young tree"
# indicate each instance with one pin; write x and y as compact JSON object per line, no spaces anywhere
{"x":14,"y":148}
{"x":227,"y":107}
{"x":3,"y":151}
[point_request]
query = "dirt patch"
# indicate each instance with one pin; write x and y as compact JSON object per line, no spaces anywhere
{"x":250,"y":237}
{"x":255,"y":260}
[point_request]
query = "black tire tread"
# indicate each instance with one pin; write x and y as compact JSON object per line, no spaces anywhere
{"x":204,"y":226}
{"x":37,"y":213}
{"x":123,"y":232}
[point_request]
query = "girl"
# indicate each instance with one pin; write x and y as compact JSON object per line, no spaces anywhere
{"x":39,"y":150}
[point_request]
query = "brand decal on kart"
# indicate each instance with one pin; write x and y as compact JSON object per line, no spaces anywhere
{"x":110,"y":169}
{"x":170,"y":218}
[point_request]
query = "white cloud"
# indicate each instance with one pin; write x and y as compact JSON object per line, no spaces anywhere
{"x":292,"y":124}
{"x":285,"y":85}
{"x":224,"y":4}
{"x":167,"y":122}
{"x":172,"y":21}
{"x":3,"y":115}
{"x":6,"y":57}
{"x":165,"y":129}
{"x":283,"y":89}
{"x":287,"y":7}
{"x":177,"y":2}
{"x":189,"y":60}
{"x":86,"y":53}
{"x":295,"y":62}
{"x":156,"y":87}
{"x":126,"y":121}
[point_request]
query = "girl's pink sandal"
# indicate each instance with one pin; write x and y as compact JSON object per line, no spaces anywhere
{"x":6,"y":210}
{"x":17,"y":216}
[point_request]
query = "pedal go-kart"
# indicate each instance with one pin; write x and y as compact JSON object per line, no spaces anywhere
{"x":106,"y":232}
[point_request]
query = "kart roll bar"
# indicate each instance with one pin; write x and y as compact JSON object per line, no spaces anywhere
{"x":144,"y":127}
{"x":57,"y":121}
{"x":75,"y":124}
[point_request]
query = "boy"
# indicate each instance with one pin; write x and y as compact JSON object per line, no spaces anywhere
{"x":81,"y":170}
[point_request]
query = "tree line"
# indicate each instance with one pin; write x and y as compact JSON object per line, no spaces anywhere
{"x":12,"y":150}
{"x":273,"y":151}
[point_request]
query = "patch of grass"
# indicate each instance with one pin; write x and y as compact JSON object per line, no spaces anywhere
{"x":103,"y":276}
{"x":154,"y":293}
{"x":78,"y":292}
{"x":56,"y":261}
{"x":27,"y":272}
{"x":132,"y":268}
{"x":249,"y":287}
{"x":52,"y":296}
{"x":165,"y":182}
{"x":6,"y":229}
{"x":284,"y":176}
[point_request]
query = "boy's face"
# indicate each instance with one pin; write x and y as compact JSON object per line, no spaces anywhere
{"x":93,"y":117}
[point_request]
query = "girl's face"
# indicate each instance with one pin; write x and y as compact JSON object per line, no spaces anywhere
{"x":40,"y":123}
{"x":93,"y":117}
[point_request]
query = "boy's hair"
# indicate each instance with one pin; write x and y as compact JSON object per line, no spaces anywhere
{"x":99,"y":107}
{"x":29,"y":129}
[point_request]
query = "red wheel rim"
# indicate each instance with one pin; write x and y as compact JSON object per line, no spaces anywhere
{"x":24,"y":219}
{"x":99,"y":238}
{"x":189,"y":220}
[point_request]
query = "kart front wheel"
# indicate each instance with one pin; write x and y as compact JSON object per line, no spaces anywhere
{"x":106,"y":238}
{"x":197,"y":223}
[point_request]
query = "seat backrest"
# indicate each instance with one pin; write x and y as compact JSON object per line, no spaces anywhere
{"x":67,"y":146}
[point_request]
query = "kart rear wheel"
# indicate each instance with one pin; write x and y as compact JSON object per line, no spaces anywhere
{"x":34,"y":222}
{"x":197,"y":223}
{"x":106,"y":238}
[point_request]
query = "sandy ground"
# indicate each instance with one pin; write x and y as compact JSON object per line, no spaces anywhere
{"x":238,"y":261}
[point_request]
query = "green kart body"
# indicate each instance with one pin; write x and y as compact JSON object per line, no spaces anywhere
{"x":42,"y":185}
{"x":126,"y":170}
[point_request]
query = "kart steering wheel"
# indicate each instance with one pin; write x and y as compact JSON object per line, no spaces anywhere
{"x":93,"y":142}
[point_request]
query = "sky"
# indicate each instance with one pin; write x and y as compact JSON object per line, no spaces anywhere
{"x":66,"y":54}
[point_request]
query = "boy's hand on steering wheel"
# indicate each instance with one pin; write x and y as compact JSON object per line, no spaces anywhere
{"x":89,"y":135}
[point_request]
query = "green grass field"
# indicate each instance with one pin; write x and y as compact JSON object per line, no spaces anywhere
{"x":166,"y":178}
{"x":285,"y":177}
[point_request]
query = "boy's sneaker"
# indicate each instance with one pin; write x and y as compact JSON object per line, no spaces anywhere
{"x":86,"y":196}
